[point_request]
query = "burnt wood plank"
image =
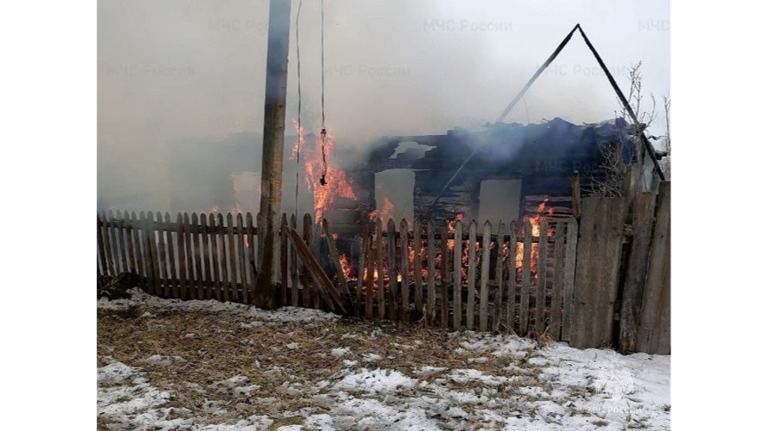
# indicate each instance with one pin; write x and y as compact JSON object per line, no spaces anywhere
{"x":232,"y":259}
{"x":222,"y":253}
{"x":197,"y":254}
{"x":334,"y":254}
{"x":154,"y":253}
{"x":172,"y":264}
{"x":206,"y":255}
{"x":162,"y":259}
{"x":108,"y":244}
{"x":129,"y":230}
{"x":362,"y":270}
{"x":371,"y":259}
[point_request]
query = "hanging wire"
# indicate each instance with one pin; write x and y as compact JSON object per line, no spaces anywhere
{"x":298,"y":121}
{"x":323,"y":132}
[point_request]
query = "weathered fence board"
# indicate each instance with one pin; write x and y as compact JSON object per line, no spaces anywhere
{"x":431,"y":273}
{"x":444,"y":281}
{"x":392,"y":269}
{"x":525,"y":298}
{"x":417,"y":251}
{"x":294,"y":268}
{"x":557,"y":282}
{"x":597,"y":271}
{"x":471,"y":275}
{"x":541,"y":278}
{"x":485,"y":267}
{"x":457,"y":254}
{"x":643,"y":208}
{"x":512,"y":274}
{"x":380,"y":300}
{"x":404,"y":267}
{"x":654,"y":332}
{"x":498,"y":297}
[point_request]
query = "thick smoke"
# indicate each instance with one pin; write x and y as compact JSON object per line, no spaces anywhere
{"x":181,"y":83}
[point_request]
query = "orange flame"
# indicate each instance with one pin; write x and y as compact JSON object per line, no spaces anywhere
{"x":337,"y":184}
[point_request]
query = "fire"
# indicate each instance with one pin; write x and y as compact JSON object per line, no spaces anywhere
{"x":337,"y":184}
{"x":299,"y":140}
{"x":386,"y":211}
{"x":345,"y":268}
{"x":535,"y":222}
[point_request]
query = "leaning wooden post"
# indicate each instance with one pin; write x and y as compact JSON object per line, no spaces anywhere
{"x":272,"y":152}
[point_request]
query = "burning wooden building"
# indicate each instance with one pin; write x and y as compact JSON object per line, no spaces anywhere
{"x":512,"y":171}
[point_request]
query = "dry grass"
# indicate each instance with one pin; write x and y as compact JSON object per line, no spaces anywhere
{"x":214,"y":347}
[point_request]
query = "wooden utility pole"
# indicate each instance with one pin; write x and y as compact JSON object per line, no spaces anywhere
{"x":272,"y":154}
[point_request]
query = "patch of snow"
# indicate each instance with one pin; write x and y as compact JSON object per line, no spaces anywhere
{"x":340,"y":351}
{"x":375,"y":381}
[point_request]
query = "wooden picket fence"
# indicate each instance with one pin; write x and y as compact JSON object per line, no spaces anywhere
{"x":470,"y":278}
{"x":197,"y":257}
{"x":438,"y":276}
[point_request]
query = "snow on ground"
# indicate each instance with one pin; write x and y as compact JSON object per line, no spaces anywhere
{"x":207,"y":365}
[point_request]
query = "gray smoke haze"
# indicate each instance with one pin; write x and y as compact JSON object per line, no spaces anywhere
{"x":181,"y":74}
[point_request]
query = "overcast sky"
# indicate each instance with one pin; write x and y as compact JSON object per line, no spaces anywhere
{"x":182,"y":70}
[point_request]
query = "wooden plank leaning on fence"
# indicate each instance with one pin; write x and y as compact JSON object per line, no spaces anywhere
{"x":114,"y":248}
{"x":334,"y":254}
{"x":121,"y":242}
{"x":107,"y":244}
{"x":324,"y":285}
{"x":156,"y":272}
